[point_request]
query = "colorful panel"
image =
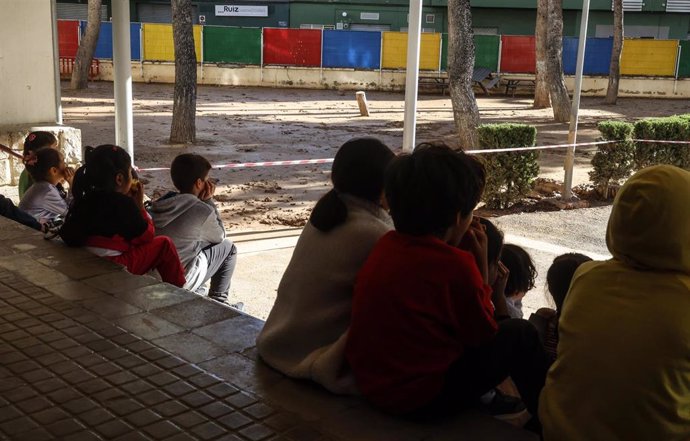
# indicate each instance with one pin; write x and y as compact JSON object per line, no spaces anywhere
{"x":232,"y":45}
{"x":395,"y":51}
{"x":353,"y":49}
{"x":518,"y":54}
{"x":68,"y":38}
{"x":654,"y":58}
{"x":292,"y":47}
{"x":158,"y":42}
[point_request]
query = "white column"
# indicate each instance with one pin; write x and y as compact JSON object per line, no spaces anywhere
{"x":414,"y":32}
{"x":122,"y":66}
{"x":572,"y":132}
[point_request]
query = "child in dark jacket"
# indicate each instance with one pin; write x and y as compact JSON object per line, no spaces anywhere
{"x":108,"y":217}
{"x":424,"y":332}
{"x":522,"y":274}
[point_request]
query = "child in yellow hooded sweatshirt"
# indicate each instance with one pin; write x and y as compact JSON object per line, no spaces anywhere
{"x":623,"y":366}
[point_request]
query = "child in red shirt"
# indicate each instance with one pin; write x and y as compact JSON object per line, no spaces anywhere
{"x":424,"y":333}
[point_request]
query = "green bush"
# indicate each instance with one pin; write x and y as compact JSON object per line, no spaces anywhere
{"x":510,"y":175}
{"x":612,"y":162}
{"x":672,"y":128}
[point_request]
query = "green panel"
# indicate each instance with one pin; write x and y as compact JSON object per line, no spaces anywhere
{"x":485,"y":51}
{"x":232,"y":45}
{"x":684,"y":65}
{"x":506,"y":21}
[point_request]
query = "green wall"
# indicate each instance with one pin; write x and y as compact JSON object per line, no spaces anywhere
{"x":678,"y":23}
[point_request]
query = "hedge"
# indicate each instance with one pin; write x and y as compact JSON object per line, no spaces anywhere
{"x":509,"y":175}
{"x":612,"y":163}
{"x":672,"y":128}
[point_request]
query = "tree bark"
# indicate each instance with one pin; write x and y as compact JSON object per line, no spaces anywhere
{"x":183,"y":128}
{"x":560,"y":100}
{"x":614,"y":68}
{"x":87,"y":47}
{"x":460,"y":69}
{"x":542,"y":99}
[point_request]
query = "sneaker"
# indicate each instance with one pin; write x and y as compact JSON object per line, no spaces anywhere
{"x":502,"y":404}
{"x":238,"y":306}
{"x":51,"y":228}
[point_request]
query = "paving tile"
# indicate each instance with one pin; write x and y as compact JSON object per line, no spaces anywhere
{"x":137,"y":387}
{"x":117,"y":282}
{"x":85,"y":435}
{"x":105,"y":328}
{"x":34,"y":405}
{"x":8,"y":413}
{"x":120,"y":378}
{"x":233,"y":335}
{"x":38,"y":434}
{"x":222,"y":390}
{"x":110,"y":394}
{"x":257,"y":432}
{"x":182,"y":437}
{"x":64,"y":427}
{"x":123,"y":406}
{"x":49,"y":385}
{"x":73,"y":290}
{"x":49,"y":416}
{"x":78,"y":377}
{"x":156,"y":296}
{"x":142,"y":418}
{"x":281,"y":422}
{"x":188,"y":419}
{"x":216,"y":409}
{"x":133,"y":436}
{"x":241,"y":399}
{"x":13,"y":357}
{"x":105,"y":369}
{"x":208,"y":430}
{"x":196,"y":399}
{"x":49,"y":358}
{"x":234,"y":420}
{"x":80,"y":405}
{"x":162,"y":379}
{"x":17,"y":394}
{"x":37,"y":375}
{"x":170,"y":362}
{"x":195,"y":313}
{"x":96,"y":416}
{"x":113,"y":429}
{"x":93,"y":386}
{"x":162,"y":429}
{"x":63,"y":395}
{"x":170,"y":408}
{"x":153,"y":397}
{"x":139,"y":346}
{"x":114,"y":353}
{"x":148,"y":326}
{"x":125,"y":339}
{"x":178,"y":388}
{"x":190,"y":347}
{"x":80,"y":268}
{"x":259,"y":410}
{"x":130,"y":361}
{"x":76,"y":352}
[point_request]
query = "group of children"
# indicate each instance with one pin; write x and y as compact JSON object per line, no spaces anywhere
{"x":419,"y":309}
{"x":180,"y":235}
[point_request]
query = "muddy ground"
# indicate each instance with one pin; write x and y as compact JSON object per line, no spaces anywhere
{"x":236,"y":124}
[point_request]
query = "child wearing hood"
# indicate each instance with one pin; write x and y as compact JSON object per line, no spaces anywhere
{"x":190,"y":218}
{"x":623,"y":370}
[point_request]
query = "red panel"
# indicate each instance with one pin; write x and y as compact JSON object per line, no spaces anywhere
{"x":294,"y":47}
{"x":68,"y":37}
{"x":518,"y":54}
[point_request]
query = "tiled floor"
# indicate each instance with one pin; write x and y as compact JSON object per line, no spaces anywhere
{"x":88,"y":352}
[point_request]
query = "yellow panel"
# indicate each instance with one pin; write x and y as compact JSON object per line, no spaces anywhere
{"x":395,"y":51}
{"x":158,"y":42}
{"x":649,"y":57}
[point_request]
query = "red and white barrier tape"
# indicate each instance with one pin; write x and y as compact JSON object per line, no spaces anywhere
{"x":471,"y":152}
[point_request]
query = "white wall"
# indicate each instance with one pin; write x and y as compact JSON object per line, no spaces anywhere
{"x":29,"y":92}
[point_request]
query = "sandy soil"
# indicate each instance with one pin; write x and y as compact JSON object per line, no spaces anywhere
{"x":260,"y":124}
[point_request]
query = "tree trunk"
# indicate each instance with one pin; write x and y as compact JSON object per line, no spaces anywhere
{"x":87,"y":46}
{"x":183,"y":129}
{"x":542,"y":99}
{"x":615,"y":67}
{"x":460,"y":69}
{"x":559,"y":94}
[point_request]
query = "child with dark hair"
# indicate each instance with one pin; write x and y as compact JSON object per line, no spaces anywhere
{"x":558,"y":279}
{"x":43,"y":200}
{"x":423,"y":335}
{"x":108,"y":217}
{"x":33,"y":142}
{"x":190,"y":218}
{"x":305,"y":333}
{"x":522,"y":274}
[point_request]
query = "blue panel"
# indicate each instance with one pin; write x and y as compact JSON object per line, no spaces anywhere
{"x":597,"y":55}
{"x":104,"y":46}
{"x":353,"y":49}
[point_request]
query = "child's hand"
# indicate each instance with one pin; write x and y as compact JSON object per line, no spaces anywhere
{"x":476,"y":242}
{"x":499,"y":286}
{"x":208,"y":191}
{"x":68,"y":175}
{"x":136,"y":192}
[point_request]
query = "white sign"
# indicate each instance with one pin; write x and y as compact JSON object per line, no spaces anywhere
{"x":368,"y":15}
{"x":241,"y":11}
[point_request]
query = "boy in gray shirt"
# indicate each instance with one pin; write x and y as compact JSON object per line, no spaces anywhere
{"x":191,"y":220}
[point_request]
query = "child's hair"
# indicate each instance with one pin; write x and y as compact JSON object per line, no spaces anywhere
{"x":522,"y":269}
{"x":494,"y":238}
{"x":186,"y":169}
{"x":560,"y":274}
{"x":39,"y":162}
{"x":358,"y":170}
{"x":101,"y":167}
{"x":38,"y":140}
{"x":428,"y":188}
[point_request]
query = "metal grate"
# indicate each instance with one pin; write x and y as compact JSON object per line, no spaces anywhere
{"x":631,"y":5}
{"x":677,"y":5}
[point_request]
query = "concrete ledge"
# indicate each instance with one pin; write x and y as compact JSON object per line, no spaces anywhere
{"x":111,"y":354}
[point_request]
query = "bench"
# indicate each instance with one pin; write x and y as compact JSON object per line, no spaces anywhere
{"x":481,"y":77}
{"x":512,"y":82}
